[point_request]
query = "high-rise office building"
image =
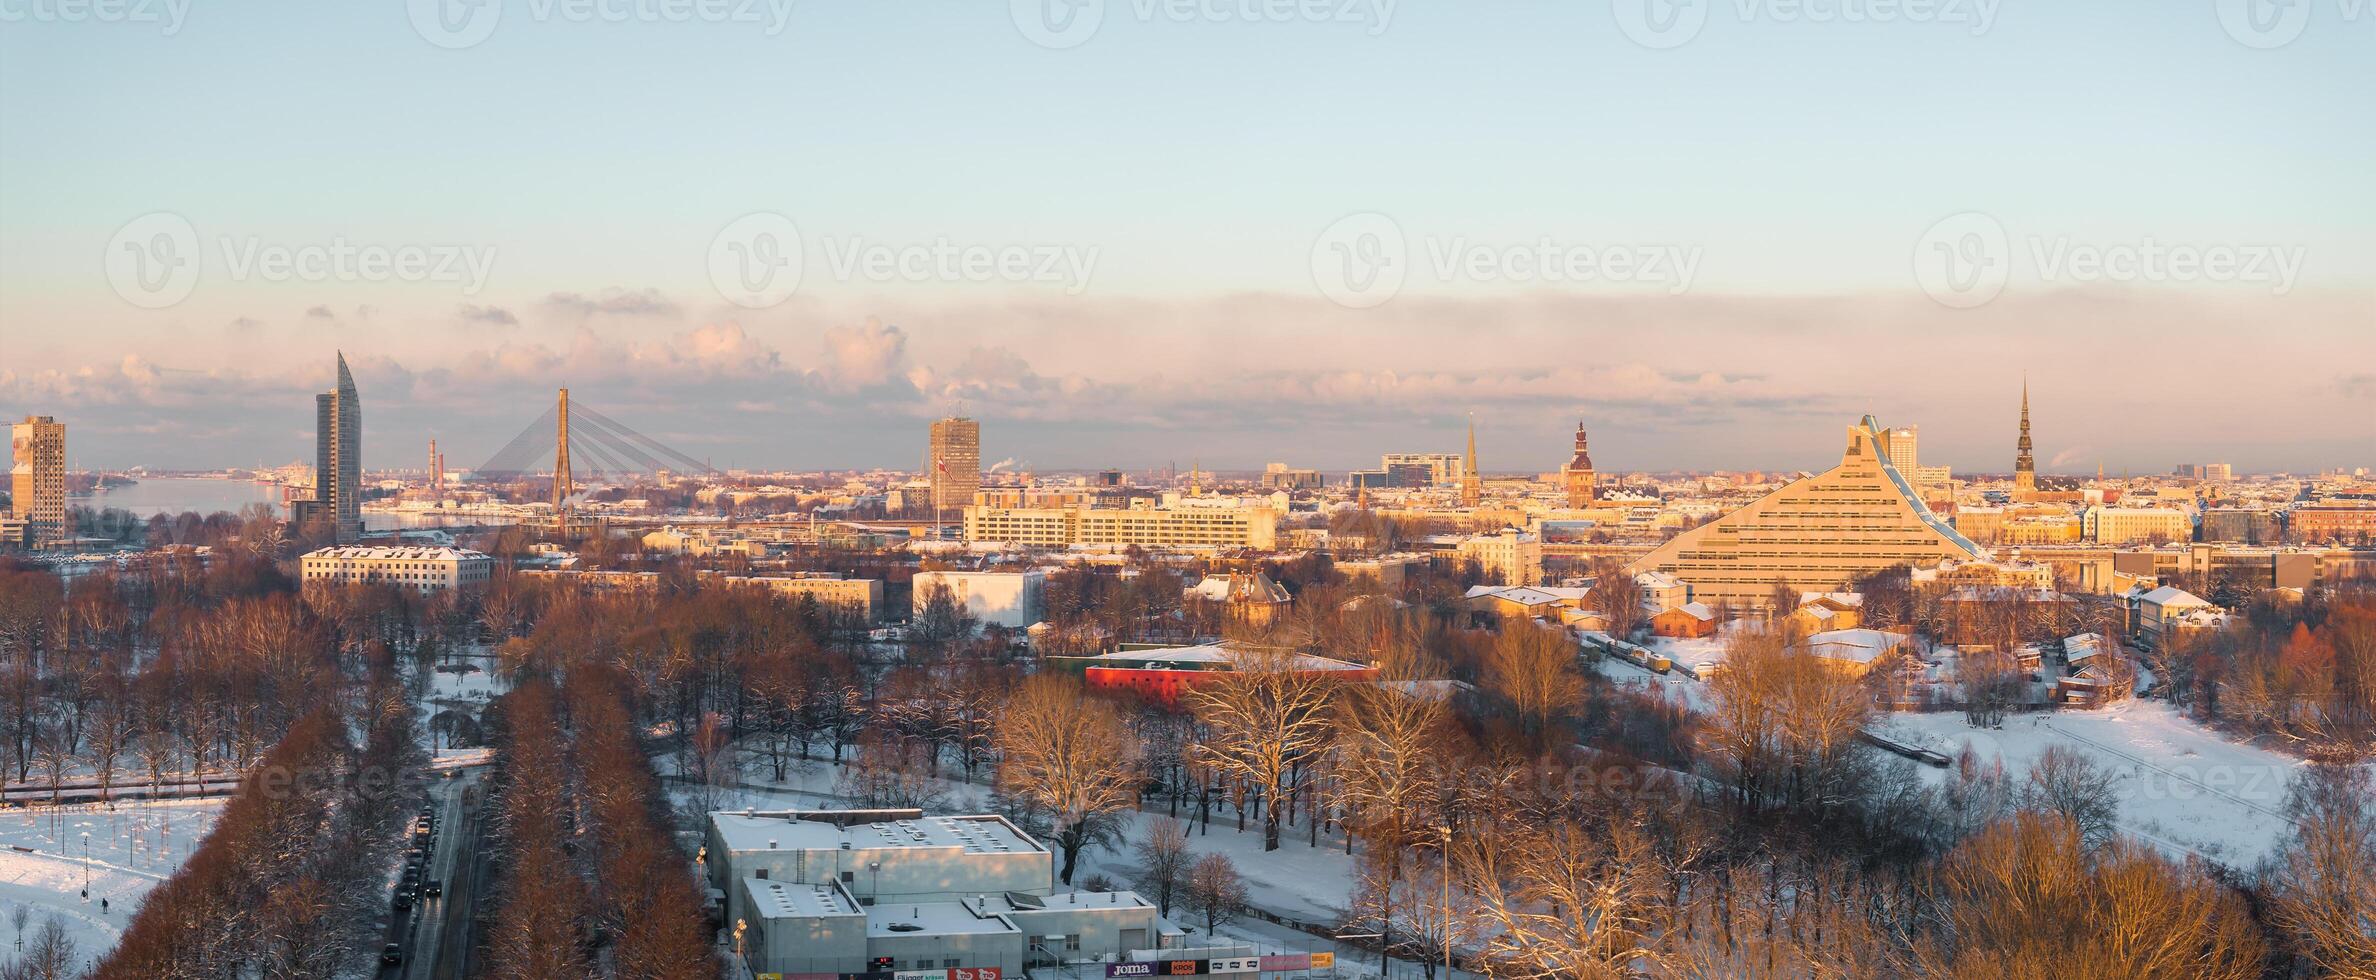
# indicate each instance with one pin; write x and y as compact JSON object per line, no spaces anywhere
{"x":2025,"y":466}
{"x":37,"y":481}
{"x":338,"y":457}
{"x":954,"y":464}
{"x":1817,"y":534}
{"x":1578,"y":475}
{"x":1897,"y":442}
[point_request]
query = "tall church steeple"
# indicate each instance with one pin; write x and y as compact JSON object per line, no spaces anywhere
{"x":1581,"y":481}
{"x":2025,"y":466}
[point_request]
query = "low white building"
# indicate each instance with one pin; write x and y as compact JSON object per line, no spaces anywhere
{"x":417,"y":568}
{"x":894,"y":891}
{"x":1010,"y":599}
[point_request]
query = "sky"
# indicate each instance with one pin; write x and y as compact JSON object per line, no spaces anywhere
{"x":787,"y":233}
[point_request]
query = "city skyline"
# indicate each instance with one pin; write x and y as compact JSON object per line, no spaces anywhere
{"x":1654,"y":232}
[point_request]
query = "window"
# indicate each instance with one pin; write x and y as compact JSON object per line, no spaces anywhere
{"x":760,"y":874}
{"x":948,"y":964}
{"x":1072,"y":943}
{"x":849,"y":876}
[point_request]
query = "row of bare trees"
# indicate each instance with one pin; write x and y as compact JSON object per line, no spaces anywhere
{"x":591,"y":880}
{"x":287,"y":883}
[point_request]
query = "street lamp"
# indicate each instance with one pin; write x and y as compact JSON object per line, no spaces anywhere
{"x":1446,"y":875}
{"x":86,"y":892}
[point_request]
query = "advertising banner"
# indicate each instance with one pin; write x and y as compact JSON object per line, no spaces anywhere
{"x":1288,"y":961}
{"x":1120,"y":971}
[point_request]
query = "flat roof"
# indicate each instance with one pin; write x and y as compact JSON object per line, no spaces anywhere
{"x":792,"y":899}
{"x":788,"y":831}
{"x":936,"y":919}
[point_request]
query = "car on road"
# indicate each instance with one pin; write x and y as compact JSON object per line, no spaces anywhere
{"x":392,"y":955}
{"x":434,"y":889}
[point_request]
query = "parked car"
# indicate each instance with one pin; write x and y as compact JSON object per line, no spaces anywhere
{"x":392,"y":955}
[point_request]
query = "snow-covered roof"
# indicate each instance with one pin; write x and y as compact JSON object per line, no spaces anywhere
{"x":784,"y":830}
{"x":2171,"y":595}
{"x":1220,"y":654}
{"x":404,"y":553}
{"x":1859,"y":645}
{"x":1528,"y":595}
{"x":792,"y":899}
{"x":1695,"y":610}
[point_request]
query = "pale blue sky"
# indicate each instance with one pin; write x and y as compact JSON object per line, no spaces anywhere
{"x":1199,"y":159}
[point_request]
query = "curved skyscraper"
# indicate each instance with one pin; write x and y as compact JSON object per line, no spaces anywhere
{"x":338,"y":457}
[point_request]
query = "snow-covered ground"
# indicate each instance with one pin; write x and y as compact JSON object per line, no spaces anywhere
{"x":131,"y":849}
{"x":2182,"y":786}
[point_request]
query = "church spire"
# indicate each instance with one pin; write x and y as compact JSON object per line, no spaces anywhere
{"x":2025,"y":465}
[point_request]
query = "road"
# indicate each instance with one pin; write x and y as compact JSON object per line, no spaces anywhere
{"x":435,"y":932}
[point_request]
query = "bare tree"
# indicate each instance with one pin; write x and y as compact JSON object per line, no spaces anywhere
{"x":2027,"y":897}
{"x":2066,"y":783}
{"x":1533,"y":669}
{"x":1264,"y":721}
{"x":1070,"y":756}
{"x":1164,"y":861}
{"x":1216,"y":892}
{"x":2324,"y":879}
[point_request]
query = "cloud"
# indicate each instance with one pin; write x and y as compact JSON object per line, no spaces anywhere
{"x":613,"y":302}
{"x":493,"y":316}
{"x":320,"y":313}
{"x":864,"y":356}
{"x":1698,"y":382}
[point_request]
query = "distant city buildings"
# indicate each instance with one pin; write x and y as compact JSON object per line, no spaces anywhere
{"x":953,"y":464}
{"x":418,"y":569}
{"x":37,"y":481}
{"x":1508,"y":557}
{"x":1226,"y":524}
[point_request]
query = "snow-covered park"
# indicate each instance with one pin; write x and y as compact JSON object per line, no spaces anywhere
{"x":44,"y":868}
{"x":2182,"y":787}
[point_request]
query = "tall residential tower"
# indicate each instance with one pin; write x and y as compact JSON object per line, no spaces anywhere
{"x":37,"y":482}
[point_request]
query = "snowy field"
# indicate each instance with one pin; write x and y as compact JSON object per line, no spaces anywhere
{"x":131,"y":849}
{"x":2183,"y":787}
